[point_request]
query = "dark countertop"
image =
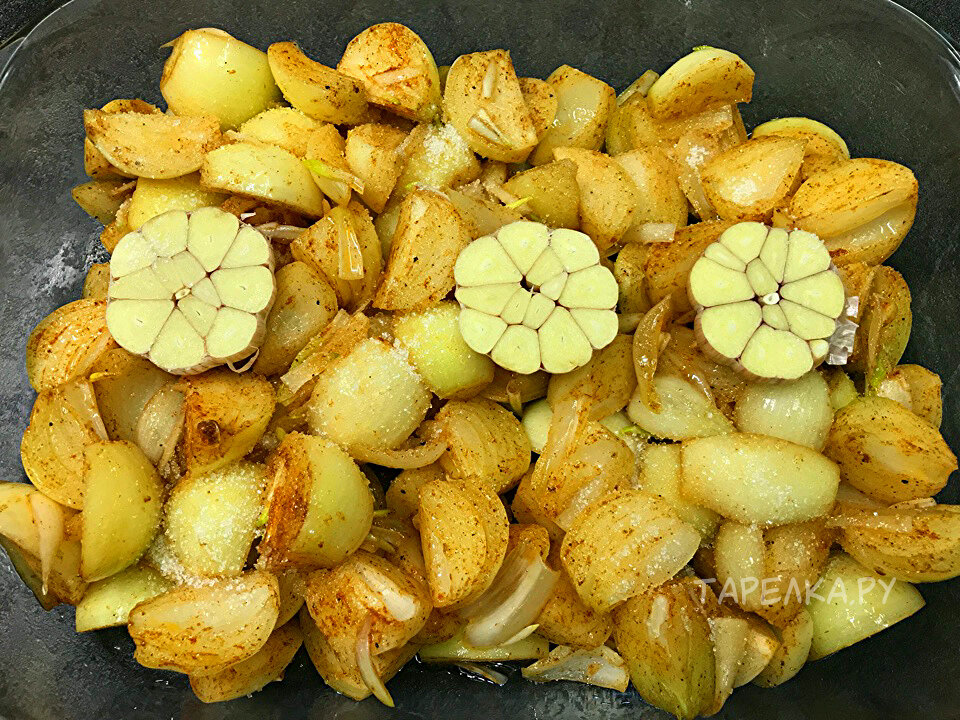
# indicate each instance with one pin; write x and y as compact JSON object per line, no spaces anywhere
{"x":16,"y":16}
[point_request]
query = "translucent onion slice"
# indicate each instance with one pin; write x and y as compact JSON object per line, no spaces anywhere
{"x":365,"y":665}
{"x":403,"y":458}
{"x":479,"y":671}
{"x":512,"y":603}
{"x":600,"y":666}
{"x":49,"y":519}
{"x":161,"y":424}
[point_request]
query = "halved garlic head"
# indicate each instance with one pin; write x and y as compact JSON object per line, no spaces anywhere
{"x":190,"y":291}
{"x":535,"y":298}
{"x":767,"y":300}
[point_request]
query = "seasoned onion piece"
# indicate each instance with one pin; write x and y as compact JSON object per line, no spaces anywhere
{"x":784,"y":482}
{"x":464,"y":532}
{"x":108,"y":602}
{"x":917,"y":389}
{"x":885,"y":322}
{"x":17,"y":521}
{"x":320,"y":507}
{"x":210,"y":519}
{"x":397,"y":70}
{"x":343,"y":675}
{"x":551,"y":194}
{"x":305,"y":304}
{"x":824,"y":149}
{"x":403,"y":495}
{"x":314,"y":89}
{"x":584,"y":106}
{"x":124,"y":384}
{"x":514,"y":599}
{"x":344,"y":250}
{"x":665,"y":639}
{"x":160,"y":427}
{"x":484,"y":101}
{"x":153,"y":145}
{"x":202,"y":630}
{"x":580,"y":463}
{"x":338,"y":339}
{"x":483,"y":441}
{"x":661,"y":476}
{"x":684,"y":412}
{"x":862,"y":209}
{"x":794,"y":557}
{"x":226,"y":414}
{"x":371,"y":153}
{"x":914,"y":544}
{"x":263,"y":172}
{"x":565,"y":619}
{"x":608,"y":379}
{"x":419,"y":269}
{"x":366,"y":589}
{"x":253,"y":674}
{"x":795,"y":639}
{"x":122,"y":502}
{"x":887,"y":452}
{"x":749,"y":180}
{"x":623,"y":545}
{"x":608,"y":196}
{"x":798,"y":411}
{"x":372,"y":397}
{"x":857,"y":609}
{"x":64,"y":422}
{"x":211,"y":72}
{"x":449,"y":367}
{"x":67,"y":343}
{"x":704,"y":79}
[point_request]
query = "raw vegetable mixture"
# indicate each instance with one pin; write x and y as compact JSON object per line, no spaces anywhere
{"x":396,"y":360}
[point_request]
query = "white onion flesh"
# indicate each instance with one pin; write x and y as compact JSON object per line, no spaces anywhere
{"x":514,"y":600}
{"x":367,"y":671}
{"x":600,"y":666}
{"x":401,"y":459}
{"x":48,"y":517}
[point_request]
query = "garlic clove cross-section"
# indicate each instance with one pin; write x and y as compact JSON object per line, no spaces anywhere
{"x":190,"y":291}
{"x":534,"y":298}
{"x":767,"y":300}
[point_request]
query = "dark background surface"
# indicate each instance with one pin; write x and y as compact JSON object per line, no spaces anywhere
{"x":17,"y":16}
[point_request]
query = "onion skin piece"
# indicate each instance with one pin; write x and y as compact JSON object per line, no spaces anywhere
{"x":649,"y":339}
